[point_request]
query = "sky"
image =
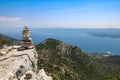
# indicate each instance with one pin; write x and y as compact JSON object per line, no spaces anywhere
{"x":60,"y":13}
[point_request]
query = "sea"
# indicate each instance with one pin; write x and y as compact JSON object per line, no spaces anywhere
{"x":88,"y":40}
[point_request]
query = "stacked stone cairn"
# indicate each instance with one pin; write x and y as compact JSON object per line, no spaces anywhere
{"x":26,"y":41}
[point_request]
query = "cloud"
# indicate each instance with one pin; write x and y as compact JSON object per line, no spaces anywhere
{"x":7,"y":19}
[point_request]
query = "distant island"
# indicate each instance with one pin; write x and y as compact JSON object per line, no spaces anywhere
{"x":106,"y":33}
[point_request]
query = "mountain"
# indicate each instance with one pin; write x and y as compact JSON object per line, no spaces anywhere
{"x":67,"y":62}
{"x":8,"y":40}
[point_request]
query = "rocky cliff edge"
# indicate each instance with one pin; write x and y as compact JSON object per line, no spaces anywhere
{"x":20,"y":65}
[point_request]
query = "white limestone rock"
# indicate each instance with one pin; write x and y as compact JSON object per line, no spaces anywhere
{"x":15,"y":65}
{"x":42,"y":75}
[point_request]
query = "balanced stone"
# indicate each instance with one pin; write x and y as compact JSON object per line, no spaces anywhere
{"x":26,"y":41}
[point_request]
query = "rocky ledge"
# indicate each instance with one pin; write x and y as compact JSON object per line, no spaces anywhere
{"x":20,"y":65}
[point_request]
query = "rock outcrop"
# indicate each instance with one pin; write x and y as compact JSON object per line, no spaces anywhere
{"x":20,"y":65}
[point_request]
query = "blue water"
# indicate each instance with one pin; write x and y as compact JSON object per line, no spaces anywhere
{"x":78,"y":37}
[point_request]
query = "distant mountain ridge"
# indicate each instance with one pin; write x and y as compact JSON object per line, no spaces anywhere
{"x":12,"y":41}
